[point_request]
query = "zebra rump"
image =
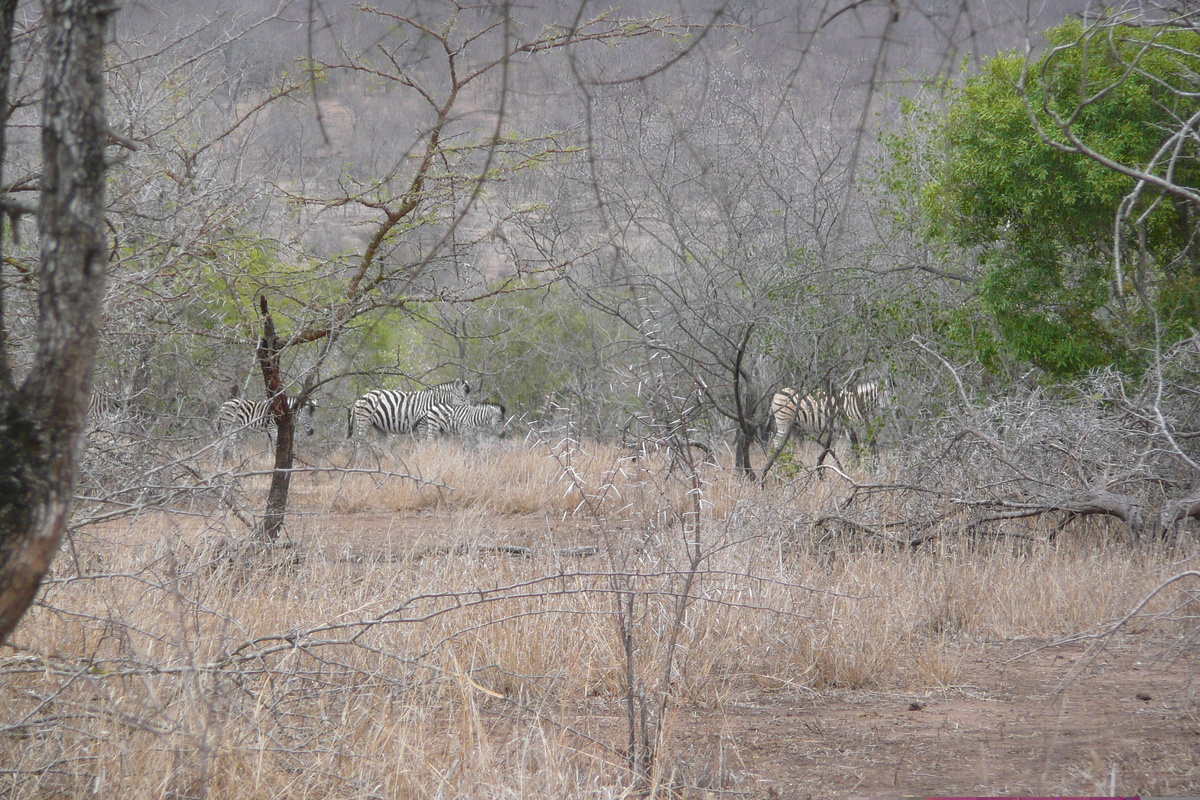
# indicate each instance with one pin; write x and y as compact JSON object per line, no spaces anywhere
{"x":395,"y":411}
{"x":240,"y":414}
{"x":461,"y":419}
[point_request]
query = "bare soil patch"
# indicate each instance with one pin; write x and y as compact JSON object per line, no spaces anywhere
{"x":1011,"y":723}
{"x":1126,"y":725}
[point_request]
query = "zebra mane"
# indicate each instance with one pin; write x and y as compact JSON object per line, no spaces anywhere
{"x":451,"y":385}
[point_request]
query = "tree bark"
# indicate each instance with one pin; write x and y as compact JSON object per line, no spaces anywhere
{"x":269,"y":349}
{"x":1081,"y":502}
{"x":744,"y":411}
{"x":1121,"y":506}
{"x":40,"y":421}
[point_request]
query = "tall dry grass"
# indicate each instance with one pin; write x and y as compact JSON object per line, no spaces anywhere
{"x":391,"y":648}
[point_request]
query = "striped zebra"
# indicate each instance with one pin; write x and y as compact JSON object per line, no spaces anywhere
{"x":107,"y":407}
{"x":394,"y":411}
{"x":104,"y":404}
{"x":823,"y":413}
{"x":461,"y":419}
{"x":239,"y":415}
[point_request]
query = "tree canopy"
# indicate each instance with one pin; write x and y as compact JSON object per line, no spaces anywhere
{"x":1045,"y":159}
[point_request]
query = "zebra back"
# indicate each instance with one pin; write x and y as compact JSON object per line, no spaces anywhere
{"x":864,"y":399}
{"x":241,"y":414}
{"x":826,"y":412}
{"x":396,"y":411}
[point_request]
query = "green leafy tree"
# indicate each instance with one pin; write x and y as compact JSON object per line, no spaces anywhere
{"x":1046,"y":159}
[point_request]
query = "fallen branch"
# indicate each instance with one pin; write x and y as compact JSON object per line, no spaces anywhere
{"x":1178,"y":510}
{"x":1082,"y":503}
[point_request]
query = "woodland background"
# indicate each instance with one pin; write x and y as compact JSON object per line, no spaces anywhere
{"x":631,"y":225}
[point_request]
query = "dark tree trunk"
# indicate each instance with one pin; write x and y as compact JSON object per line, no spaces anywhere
{"x":269,"y":348}
{"x":41,"y":420}
{"x":745,"y":408}
{"x":8,"y":11}
{"x":744,"y":441}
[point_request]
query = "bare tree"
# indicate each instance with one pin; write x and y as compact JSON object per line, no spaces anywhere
{"x":432,"y":237}
{"x":732,"y":219}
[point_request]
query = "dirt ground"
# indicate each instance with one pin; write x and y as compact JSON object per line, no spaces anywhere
{"x":1127,"y":724}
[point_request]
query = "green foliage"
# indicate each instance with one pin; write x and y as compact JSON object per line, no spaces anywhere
{"x":532,"y":345}
{"x":229,"y":276}
{"x":1042,"y":217}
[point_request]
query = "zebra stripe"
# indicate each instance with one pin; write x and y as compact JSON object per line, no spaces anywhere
{"x":240,"y":415}
{"x":394,"y":411}
{"x":822,"y":412}
{"x":111,"y":408}
{"x":461,"y":419}
{"x":104,"y":404}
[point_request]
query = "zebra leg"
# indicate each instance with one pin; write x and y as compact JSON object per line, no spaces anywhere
{"x":227,"y":434}
{"x":363,"y":442}
{"x":360,"y":430}
{"x":873,"y":439}
{"x":781,"y":437}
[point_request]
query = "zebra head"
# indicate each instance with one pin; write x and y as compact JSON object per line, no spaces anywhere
{"x":453,"y":392}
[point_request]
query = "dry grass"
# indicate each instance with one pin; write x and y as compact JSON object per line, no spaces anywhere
{"x":386,"y":653}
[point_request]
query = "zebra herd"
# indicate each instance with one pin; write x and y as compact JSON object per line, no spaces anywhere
{"x":446,"y":409}
{"x":440,"y":410}
{"x":443,"y":409}
{"x":395,"y":411}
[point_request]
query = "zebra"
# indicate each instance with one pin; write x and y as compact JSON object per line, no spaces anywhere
{"x":104,"y":404}
{"x":394,"y":411}
{"x":823,"y":413}
{"x":109,"y":408}
{"x":461,"y":419}
{"x":240,"y":415}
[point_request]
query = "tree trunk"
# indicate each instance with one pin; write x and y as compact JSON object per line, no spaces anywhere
{"x":746,"y":411}
{"x":741,"y":458}
{"x":40,"y":421}
{"x":269,"y":348}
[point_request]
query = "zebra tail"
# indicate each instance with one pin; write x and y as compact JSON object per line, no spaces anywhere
{"x":350,"y":422}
